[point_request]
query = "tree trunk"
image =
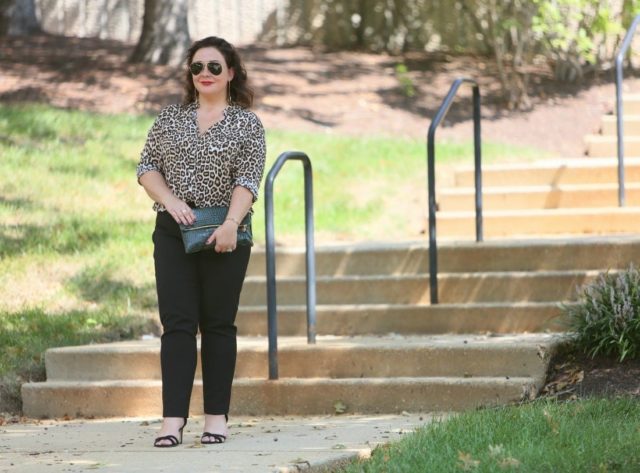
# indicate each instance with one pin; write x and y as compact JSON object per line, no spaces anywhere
{"x":165,"y":33}
{"x":18,"y":17}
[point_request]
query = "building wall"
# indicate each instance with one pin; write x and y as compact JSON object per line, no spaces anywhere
{"x":238,"y":21}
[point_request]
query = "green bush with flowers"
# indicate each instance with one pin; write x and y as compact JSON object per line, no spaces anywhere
{"x":606,"y":319}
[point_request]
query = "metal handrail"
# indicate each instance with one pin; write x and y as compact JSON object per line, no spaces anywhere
{"x":619,"y":119}
{"x":271,"y":255}
{"x":431,"y":158}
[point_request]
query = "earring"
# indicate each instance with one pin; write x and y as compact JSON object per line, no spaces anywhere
{"x":229,"y":92}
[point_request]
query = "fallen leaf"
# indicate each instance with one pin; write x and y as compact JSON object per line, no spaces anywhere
{"x":551,"y":421}
{"x":467,"y":461}
{"x":496,"y":450}
{"x":509,"y":462}
{"x":340,"y":407}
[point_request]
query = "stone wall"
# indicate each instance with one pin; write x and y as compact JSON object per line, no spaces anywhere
{"x":238,"y":21}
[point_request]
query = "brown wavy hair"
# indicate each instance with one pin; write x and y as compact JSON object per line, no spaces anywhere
{"x":241,"y":93}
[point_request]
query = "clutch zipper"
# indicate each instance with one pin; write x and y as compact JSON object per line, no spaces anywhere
{"x":241,"y":228}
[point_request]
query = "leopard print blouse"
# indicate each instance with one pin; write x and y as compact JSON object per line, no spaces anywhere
{"x":203,"y":169}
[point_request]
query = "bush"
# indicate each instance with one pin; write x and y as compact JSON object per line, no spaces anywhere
{"x":606,"y":319}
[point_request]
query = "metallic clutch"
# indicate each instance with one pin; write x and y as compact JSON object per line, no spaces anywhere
{"x":208,"y":219}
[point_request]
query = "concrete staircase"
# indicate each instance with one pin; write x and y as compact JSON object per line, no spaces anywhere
{"x":553,"y":197}
{"x":382,"y":348}
{"x":549,"y":198}
{"x":604,"y":144}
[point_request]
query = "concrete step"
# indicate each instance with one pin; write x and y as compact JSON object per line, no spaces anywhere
{"x":331,"y":357}
{"x":602,"y":146}
{"x":285,"y":396}
{"x":547,"y":222}
{"x":541,"y":286}
{"x":540,"y":197}
{"x":630,"y":104}
{"x":366,"y":374}
{"x":631,"y":125}
{"x":350,"y":320}
{"x":576,"y":171}
{"x":593,"y":252}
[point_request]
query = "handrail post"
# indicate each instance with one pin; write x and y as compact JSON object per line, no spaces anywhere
{"x":477,"y":149}
{"x":272,"y":320}
{"x":619,"y":112}
{"x":431,"y":176}
{"x":310,"y":252}
{"x":433,"y":249}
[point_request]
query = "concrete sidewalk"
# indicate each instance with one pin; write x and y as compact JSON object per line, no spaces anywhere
{"x":260,"y":445}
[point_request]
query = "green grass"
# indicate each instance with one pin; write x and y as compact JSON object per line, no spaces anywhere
{"x":26,"y":334}
{"x":75,"y":227}
{"x":360,"y":182}
{"x":596,"y":435}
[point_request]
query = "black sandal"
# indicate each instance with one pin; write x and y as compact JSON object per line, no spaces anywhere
{"x":217,"y":438}
{"x":173,"y":441}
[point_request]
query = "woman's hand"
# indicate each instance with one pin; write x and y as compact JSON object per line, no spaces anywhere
{"x":179,"y":210}
{"x":225,"y":237}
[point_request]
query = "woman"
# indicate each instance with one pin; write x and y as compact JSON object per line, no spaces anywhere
{"x":209,"y":151}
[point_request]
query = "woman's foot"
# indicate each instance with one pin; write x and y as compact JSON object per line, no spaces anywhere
{"x":215,"y":429}
{"x":170,"y":434}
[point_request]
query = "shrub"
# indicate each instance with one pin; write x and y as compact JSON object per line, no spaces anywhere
{"x":606,"y":319}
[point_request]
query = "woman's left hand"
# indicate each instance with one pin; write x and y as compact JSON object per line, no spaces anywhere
{"x":225,"y":237}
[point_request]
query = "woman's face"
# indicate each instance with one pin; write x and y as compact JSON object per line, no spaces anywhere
{"x":206,"y":82}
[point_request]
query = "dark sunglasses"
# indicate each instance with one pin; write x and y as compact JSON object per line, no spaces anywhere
{"x":215,"y":68}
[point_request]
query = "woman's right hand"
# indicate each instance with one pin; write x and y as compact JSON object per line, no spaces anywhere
{"x":179,"y":210}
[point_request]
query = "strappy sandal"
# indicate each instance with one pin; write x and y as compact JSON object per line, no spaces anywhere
{"x":173,"y":440}
{"x":217,"y":438}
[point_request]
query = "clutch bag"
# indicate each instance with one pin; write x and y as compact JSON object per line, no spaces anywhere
{"x":208,"y":219}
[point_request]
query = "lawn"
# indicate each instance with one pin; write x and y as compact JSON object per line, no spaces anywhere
{"x":592,"y":435}
{"x":75,"y":227}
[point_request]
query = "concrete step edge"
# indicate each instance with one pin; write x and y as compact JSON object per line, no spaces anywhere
{"x":421,"y":277}
{"x":471,"y":306}
{"x":626,"y":117}
{"x":532,"y":213}
{"x":347,"y":343}
{"x":610,"y":139}
{"x":423,"y":245}
{"x":499,"y":190}
{"x":284,"y":396}
{"x":313,"y":382}
{"x":555,"y":164}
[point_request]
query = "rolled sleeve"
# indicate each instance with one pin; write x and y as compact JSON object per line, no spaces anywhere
{"x":251,"y":158}
{"x":151,"y":156}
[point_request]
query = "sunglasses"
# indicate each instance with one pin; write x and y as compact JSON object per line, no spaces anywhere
{"x":214,"y":67}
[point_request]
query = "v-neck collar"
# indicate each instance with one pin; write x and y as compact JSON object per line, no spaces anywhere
{"x":194,"y":117}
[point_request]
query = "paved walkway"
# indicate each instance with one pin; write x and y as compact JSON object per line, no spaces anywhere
{"x":283,"y":445}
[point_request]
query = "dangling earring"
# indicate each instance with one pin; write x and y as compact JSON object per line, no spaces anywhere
{"x":229,"y":92}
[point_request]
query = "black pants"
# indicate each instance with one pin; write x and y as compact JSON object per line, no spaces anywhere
{"x":196,"y":290}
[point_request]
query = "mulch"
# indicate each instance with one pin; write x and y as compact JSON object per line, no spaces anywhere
{"x":575,"y":375}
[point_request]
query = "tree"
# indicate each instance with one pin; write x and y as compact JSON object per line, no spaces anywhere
{"x":18,"y":17}
{"x":372,"y":25}
{"x":165,"y":33}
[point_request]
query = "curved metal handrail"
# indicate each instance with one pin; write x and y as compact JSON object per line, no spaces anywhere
{"x":619,"y":118}
{"x":431,"y":158}
{"x":271,"y":255}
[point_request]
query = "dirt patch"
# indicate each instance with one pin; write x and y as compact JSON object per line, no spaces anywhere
{"x":303,"y":89}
